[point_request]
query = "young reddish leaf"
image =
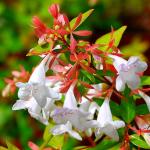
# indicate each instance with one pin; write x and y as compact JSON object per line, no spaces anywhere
{"x":86,"y":85}
{"x":54,"y":10}
{"x":90,"y":70}
{"x":72,"y":71}
{"x":66,"y":21}
{"x":33,"y":146}
{"x":40,"y":28}
{"x":84,"y":17}
{"x":77,"y":22}
{"x":73,"y":43}
{"x":82,"y":33}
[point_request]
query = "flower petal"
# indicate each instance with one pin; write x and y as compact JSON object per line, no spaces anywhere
{"x":118,"y":61}
{"x":133,"y":81}
{"x":104,"y":115}
{"x":146,"y":98}
{"x":120,"y":85}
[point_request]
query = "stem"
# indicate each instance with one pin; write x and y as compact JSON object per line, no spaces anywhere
{"x":45,"y":142}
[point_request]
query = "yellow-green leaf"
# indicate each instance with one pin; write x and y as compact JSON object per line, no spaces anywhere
{"x":84,"y":17}
{"x":3,"y":148}
{"x":11,"y":146}
{"x":138,"y":141}
{"x":39,"y":49}
{"x":117,"y":35}
{"x":47,"y":132}
{"x":57,"y":141}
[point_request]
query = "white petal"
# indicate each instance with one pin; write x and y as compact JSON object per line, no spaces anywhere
{"x":21,"y":104}
{"x":133,"y":82}
{"x":70,"y":100}
{"x":38,"y":117}
{"x":38,"y":75}
{"x":147,"y":138}
{"x":110,"y":131}
{"x":59,"y":129}
{"x":146,"y":98}
{"x":120,"y":85}
{"x":75,"y":135}
{"x":118,"y":124}
{"x":118,"y":61}
{"x":139,"y":66}
{"x":93,"y":107}
{"x":104,"y":115}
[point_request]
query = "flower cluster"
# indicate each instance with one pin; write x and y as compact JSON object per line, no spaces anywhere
{"x":78,"y":73}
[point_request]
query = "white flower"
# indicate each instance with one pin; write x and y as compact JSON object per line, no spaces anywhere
{"x":105,"y":123}
{"x":70,"y":112}
{"x":35,"y":95}
{"x":128,"y":71}
{"x":146,"y":98}
{"x":63,"y":128}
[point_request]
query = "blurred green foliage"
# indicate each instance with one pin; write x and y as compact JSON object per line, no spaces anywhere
{"x":17,"y":37}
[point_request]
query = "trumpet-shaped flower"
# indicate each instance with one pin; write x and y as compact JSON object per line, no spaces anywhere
{"x":70,"y":112}
{"x":105,"y":123}
{"x":128,"y":71}
{"x":35,"y":95}
{"x":63,"y":128}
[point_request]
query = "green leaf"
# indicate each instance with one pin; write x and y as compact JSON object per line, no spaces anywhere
{"x":105,"y":39}
{"x":142,"y":109}
{"x":127,"y":110}
{"x":69,"y":144}
{"x":145,"y":80}
{"x":47,"y":132}
{"x":138,"y":141}
{"x":39,"y":49}
{"x":11,"y":146}
{"x":81,"y":148}
{"x":84,"y":17}
{"x":104,"y":145}
{"x":57,"y":141}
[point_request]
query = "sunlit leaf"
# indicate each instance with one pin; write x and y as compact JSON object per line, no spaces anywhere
{"x":57,"y":141}
{"x":39,"y":49}
{"x":145,"y":80}
{"x":138,"y":141}
{"x":117,"y":35}
{"x":84,"y":17}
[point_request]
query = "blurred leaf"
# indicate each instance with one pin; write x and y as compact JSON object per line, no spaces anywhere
{"x":3,"y":148}
{"x":84,"y":17}
{"x":145,"y":80}
{"x":81,"y":148}
{"x":105,"y":39}
{"x":5,"y":111}
{"x":137,"y":47}
{"x":69,"y":144}
{"x":104,"y":145}
{"x":11,"y":146}
{"x":138,"y":141}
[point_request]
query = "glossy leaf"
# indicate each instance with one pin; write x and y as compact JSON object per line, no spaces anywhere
{"x":138,"y":141}
{"x":127,"y":110}
{"x":117,"y":35}
{"x":84,"y":17}
{"x":145,"y":80}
